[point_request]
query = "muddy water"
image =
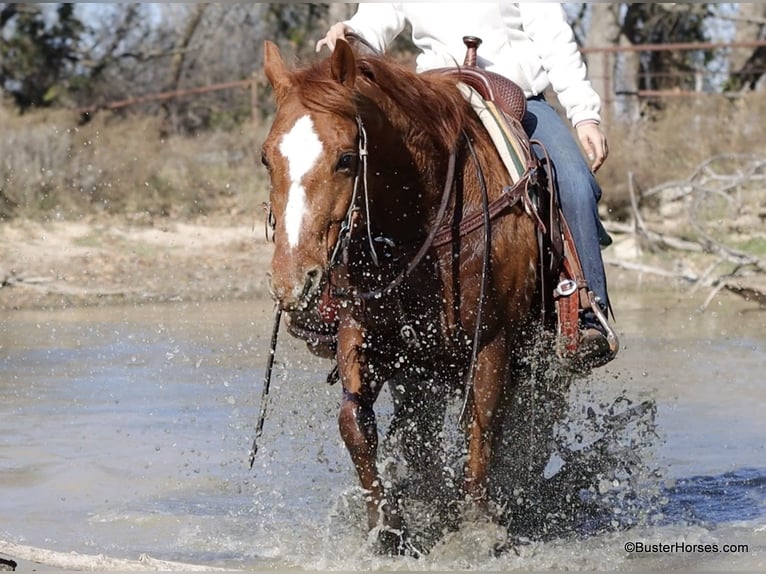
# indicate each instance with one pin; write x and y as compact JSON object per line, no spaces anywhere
{"x":126,"y":431}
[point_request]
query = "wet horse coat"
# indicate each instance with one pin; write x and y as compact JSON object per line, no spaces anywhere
{"x":359,"y":156}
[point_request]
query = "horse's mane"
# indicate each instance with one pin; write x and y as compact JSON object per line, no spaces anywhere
{"x":431,"y":106}
{"x":318,"y":90}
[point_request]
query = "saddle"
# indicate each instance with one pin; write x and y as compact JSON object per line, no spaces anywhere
{"x":564,"y":288}
{"x":493,"y":87}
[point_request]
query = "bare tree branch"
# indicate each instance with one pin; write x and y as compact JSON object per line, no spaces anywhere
{"x":718,"y":196}
{"x":183,"y":43}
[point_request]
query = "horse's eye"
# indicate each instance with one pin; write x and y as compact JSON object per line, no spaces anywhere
{"x":347,"y":162}
{"x":265,"y":160}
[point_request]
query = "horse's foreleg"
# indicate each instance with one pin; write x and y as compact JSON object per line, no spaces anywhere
{"x":359,"y":432}
{"x":357,"y":424}
{"x":488,"y":383}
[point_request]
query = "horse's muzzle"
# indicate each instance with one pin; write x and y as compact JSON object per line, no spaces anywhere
{"x":298,"y":295}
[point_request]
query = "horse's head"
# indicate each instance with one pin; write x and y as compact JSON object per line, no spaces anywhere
{"x":311,"y":154}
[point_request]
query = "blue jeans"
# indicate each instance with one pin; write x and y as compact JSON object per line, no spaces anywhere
{"x":578,"y":190}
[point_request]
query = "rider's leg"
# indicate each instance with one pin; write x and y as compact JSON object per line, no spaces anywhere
{"x":579,"y":192}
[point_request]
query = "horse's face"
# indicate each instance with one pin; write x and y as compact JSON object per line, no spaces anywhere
{"x":311,"y":157}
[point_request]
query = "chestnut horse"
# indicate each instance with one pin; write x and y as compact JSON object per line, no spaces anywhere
{"x":367,"y":160}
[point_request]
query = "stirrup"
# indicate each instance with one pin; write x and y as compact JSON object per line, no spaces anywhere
{"x":611,"y":336}
{"x":573,"y":355}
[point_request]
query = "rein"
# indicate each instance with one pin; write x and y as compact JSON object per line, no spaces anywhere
{"x":438,"y":231}
{"x":471,"y":372}
{"x":266,"y":384}
{"x":341,"y":245}
{"x":439,"y":234}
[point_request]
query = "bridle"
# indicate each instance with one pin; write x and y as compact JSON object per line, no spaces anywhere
{"x":340,"y":250}
{"x":360,"y":202}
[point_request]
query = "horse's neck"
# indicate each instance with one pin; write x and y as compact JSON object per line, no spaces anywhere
{"x":409,"y":166}
{"x":400,"y":181}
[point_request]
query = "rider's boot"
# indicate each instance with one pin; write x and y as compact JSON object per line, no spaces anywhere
{"x":598,"y":343}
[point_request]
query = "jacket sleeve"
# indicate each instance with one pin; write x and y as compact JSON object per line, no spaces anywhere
{"x":553,"y":40}
{"x":378,"y":23}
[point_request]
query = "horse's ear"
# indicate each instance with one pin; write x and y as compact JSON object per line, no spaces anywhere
{"x":343,"y":63}
{"x":275,"y":68}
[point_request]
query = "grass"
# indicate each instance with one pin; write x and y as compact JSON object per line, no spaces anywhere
{"x":53,"y":168}
{"x":753,"y":245}
{"x":95,"y":239}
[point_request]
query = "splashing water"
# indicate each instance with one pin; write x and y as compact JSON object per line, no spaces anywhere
{"x":127,"y":431}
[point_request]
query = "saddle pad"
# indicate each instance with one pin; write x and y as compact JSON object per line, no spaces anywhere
{"x":507,"y":143}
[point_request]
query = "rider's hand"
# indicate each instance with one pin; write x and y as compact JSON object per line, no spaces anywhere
{"x":336,"y":32}
{"x":593,"y":142}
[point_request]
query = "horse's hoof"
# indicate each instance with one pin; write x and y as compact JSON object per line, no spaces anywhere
{"x":392,"y":542}
{"x":510,"y":544}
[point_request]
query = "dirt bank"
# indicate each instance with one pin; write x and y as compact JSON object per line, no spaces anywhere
{"x":61,"y":264}
{"x":118,"y":261}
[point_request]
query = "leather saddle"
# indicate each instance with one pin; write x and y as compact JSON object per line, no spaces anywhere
{"x":493,"y":87}
{"x":564,"y":285}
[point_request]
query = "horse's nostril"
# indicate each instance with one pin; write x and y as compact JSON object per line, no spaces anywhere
{"x":314,"y":278}
{"x":314,"y":274}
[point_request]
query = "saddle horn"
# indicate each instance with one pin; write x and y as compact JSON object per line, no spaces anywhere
{"x":472,"y":44}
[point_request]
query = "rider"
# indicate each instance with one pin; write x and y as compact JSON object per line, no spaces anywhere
{"x":532,"y":44}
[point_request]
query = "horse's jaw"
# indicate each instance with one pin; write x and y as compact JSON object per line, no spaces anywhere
{"x":315,"y":322}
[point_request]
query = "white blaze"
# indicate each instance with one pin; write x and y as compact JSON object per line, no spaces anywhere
{"x":301,"y":148}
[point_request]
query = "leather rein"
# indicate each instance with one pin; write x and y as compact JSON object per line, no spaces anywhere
{"x":439,"y":234}
{"x":361,"y":202}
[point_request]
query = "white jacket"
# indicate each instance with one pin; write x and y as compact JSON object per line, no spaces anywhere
{"x":529,"y":42}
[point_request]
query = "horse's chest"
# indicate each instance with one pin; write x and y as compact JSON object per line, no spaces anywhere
{"x":412,"y":331}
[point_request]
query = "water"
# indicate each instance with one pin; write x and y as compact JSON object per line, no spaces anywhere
{"x":126,"y":431}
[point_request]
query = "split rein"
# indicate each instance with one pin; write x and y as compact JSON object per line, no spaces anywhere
{"x":341,"y":245}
